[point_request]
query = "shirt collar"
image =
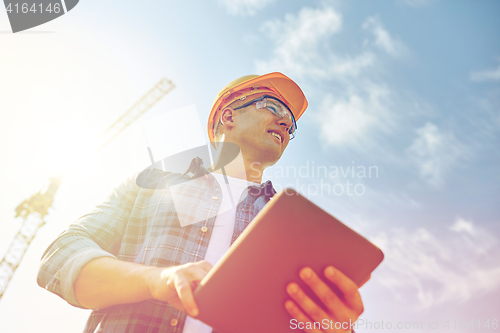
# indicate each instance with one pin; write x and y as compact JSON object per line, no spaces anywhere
{"x":196,"y":170}
{"x":265,"y":189}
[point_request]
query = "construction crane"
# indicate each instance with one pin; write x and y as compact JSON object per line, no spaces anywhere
{"x":34,"y":210}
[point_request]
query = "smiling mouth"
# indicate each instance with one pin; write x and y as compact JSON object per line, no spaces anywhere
{"x":276,"y":135}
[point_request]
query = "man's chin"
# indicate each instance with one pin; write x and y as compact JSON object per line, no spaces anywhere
{"x":265,"y":153}
{"x":272,"y":155}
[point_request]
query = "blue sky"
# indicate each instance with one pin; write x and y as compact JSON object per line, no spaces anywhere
{"x":410,"y":88}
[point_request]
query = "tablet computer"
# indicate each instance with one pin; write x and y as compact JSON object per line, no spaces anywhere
{"x":245,"y":291}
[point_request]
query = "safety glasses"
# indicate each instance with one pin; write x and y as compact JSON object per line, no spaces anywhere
{"x":276,"y":107}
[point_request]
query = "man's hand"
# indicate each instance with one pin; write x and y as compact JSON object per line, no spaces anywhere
{"x":108,"y":281}
{"x":175,"y":285}
{"x":342,"y":309}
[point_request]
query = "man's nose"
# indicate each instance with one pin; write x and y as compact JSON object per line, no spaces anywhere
{"x":286,"y":121}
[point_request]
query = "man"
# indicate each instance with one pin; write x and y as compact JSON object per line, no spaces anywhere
{"x":137,"y":257}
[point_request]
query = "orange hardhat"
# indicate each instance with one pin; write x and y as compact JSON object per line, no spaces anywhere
{"x":277,"y":84}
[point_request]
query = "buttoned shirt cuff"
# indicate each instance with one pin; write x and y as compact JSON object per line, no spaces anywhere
{"x":72,"y":268}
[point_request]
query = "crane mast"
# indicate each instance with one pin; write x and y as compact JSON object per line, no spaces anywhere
{"x":34,"y":210}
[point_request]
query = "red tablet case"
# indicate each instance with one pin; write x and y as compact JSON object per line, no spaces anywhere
{"x":245,"y":291}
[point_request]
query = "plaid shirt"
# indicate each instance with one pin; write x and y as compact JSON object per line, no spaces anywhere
{"x":140,"y":224}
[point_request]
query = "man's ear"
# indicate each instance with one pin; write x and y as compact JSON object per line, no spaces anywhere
{"x":226,"y":117}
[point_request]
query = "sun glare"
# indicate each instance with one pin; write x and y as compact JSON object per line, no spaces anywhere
{"x":68,"y":148}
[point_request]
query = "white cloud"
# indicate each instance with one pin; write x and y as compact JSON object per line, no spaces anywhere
{"x":349,"y":120}
{"x":245,"y":7}
{"x":300,"y":47}
{"x":297,"y":39}
{"x":301,"y":51}
{"x":471,"y":234}
{"x":303,"y":48}
{"x":435,"y":153}
{"x":462,"y":225}
{"x":383,"y":38}
{"x":297,"y":33}
{"x":487,"y":75}
{"x":355,"y":107}
{"x":437,"y":268}
{"x":349,"y":66}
